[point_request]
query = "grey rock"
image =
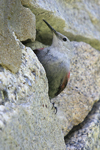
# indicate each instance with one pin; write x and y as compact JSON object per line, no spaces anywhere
{"x":16,"y":22}
{"x":78,"y":20}
{"x":27,"y":120}
{"x":83,"y":89}
{"x":87,"y":134}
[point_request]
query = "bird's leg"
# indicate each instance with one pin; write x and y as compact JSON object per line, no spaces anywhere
{"x":54,"y":107}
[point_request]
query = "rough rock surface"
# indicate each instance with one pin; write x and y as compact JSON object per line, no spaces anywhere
{"x":79,"y":20}
{"x":15,"y":21}
{"x":83,"y":89}
{"x":86,"y":136}
{"x":27,"y":120}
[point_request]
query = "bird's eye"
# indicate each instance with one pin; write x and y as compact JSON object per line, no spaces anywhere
{"x":64,"y":39}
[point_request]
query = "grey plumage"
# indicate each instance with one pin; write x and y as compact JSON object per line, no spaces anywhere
{"x":56,"y":62}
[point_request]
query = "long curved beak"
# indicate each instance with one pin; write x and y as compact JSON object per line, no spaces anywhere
{"x":52,"y":29}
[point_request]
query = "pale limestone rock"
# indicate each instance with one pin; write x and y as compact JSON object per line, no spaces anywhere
{"x":16,"y":22}
{"x":27,"y":120}
{"x":22,"y":21}
{"x":79,"y":20}
{"x":35,"y":45}
{"x":83,"y":89}
{"x":86,"y":136}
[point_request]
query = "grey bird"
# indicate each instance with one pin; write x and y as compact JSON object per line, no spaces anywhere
{"x":56,"y":62}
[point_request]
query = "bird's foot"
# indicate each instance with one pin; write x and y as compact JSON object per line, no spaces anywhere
{"x":53,"y":106}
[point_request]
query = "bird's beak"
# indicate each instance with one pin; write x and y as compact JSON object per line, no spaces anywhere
{"x":52,"y":29}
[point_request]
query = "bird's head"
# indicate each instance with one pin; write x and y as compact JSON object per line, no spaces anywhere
{"x":60,"y":41}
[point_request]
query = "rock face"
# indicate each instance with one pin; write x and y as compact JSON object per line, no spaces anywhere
{"x":87,"y":134}
{"x":27,"y":119}
{"x":75,"y":102}
{"x":82,"y":91}
{"x":79,"y":20}
{"x":15,"y":22}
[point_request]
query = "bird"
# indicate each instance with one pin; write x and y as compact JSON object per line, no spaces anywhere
{"x":56,"y":62}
